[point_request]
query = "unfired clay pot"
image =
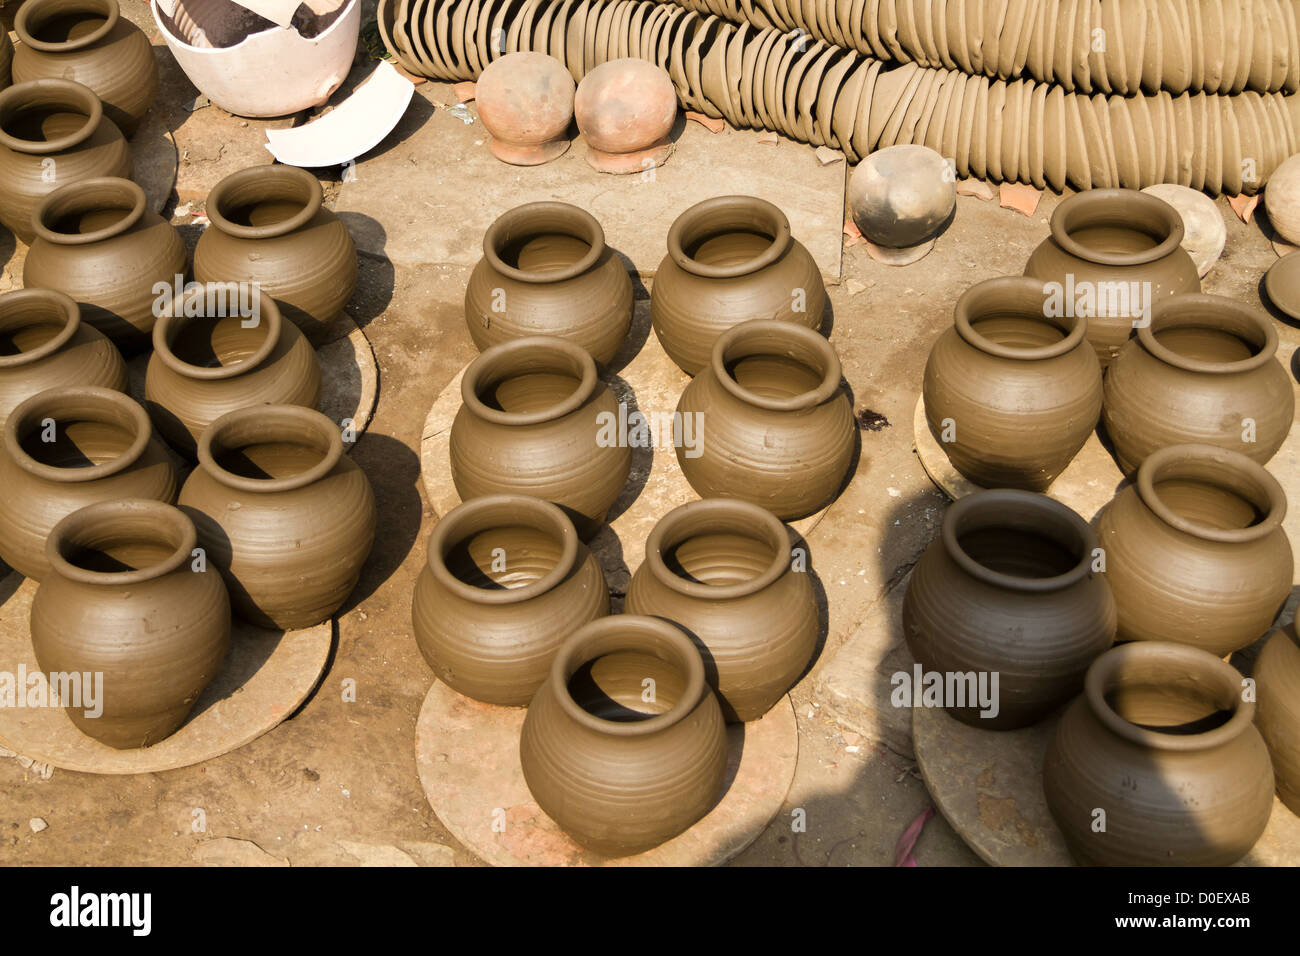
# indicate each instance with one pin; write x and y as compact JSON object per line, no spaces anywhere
{"x":287,"y":517}
{"x":1277,"y":712}
{"x":1195,"y":549}
{"x":1161,"y":740}
{"x":506,"y":582}
{"x":125,"y":599}
{"x":730,"y":259}
{"x":525,"y":100}
{"x":625,"y":109}
{"x":620,"y":773}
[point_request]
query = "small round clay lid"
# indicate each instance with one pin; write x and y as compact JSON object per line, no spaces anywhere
{"x":1282,"y":284}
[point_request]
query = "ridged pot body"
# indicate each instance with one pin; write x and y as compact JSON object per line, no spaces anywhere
{"x":1277,"y":713}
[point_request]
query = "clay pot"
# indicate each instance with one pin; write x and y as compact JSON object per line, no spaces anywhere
{"x":902,"y":195}
{"x":66,"y":448}
{"x":1277,"y":714}
{"x":547,"y":271}
{"x":97,"y":241}
{"x":6,"y":59}
{"x":218,"y":348}
{"x":730,"y":259}
{"x":721,"y":570}
{"x":774,"y":424}
{"x":525,"y":101}
{"x":625,"y":109}
{"x":269,"y":227}
{"x":1204,"y":370}
{"x":124,"y":600}
{"x":537,"y":420}
{"x":1162,"y":741}
{"x":52,"y":132}
{"x":1112,"y":254}
{"x":43,"y":344}
{"x":90,"y":42}
{"x":617,"y":773}
{"x":282,"y":512}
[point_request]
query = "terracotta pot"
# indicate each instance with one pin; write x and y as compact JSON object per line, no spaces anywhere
{"x":774,"y":424}
{"x":547,"y":271}
{"x":102,"y":449}
{"x":618,"y":773}
{"x":625,"y":109}
{"x":1204,"y":370}
{"x":1162,"y":742}
{"x":1277,"y":714}
{"x":506,"y":581}
{"x":535,"y":420}
{"x":97,"y":241}
{"x":1112,"y":254}
{"x":1195,"y":549}
{"x":90,"y":42}
{"x":525,"y":101}
{"x":730,"y":259}
{"x":721,"y":570}
{"x":125,"y":600}
{"x":282,"y":512}
{"x":269,"y":226}
{"x":219,"y":348}
{"x":43,"y":344}
{"x":52,"y":132}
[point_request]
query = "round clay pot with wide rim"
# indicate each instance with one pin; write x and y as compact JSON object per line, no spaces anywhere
{"x":625,"y":109}
{"x":730,"y":259}
{"x":771,"y":420}
{"x":506,"y":582}
{"x":1012,"y":391}
{"x":269,"y":226}
{"x":1204,"y":370}
{"x":282,"y":512}
{"x":65,"y":448}
{"x":1112,"y":254}
{"x":1009,"y":589}
{"x":525,"y":101}
{"x":1195,"y":549}
{"x":618,"y":773}
{"x":1277,"y":711}
{"x":722,"y":570}
{"x":547,"y":271}
{"x":1162,"y":741}
{"x":124,"y":600}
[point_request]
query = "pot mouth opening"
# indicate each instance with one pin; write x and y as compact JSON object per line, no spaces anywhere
{"x":544,"y":242}
{"x":1211,"y":493}
{"x":47,"y":116}
{"x":34,"y":324}
{"x":1013,"y":317}
{"x":123,"y":542}
{"x":217,"y":330}
{"x":529,"y":381}
{"x":62,"y":26}
{"x":270,"y":448}
{"x":89,"y":211}
{"x":1210,"y":334}
{"x":1117,"y":227}
{"x":718,"y":549}
{"x":776,"y":365}
{"x":1018,"y":540}
{"x":263,"y":202}
{"x":729,"y":236}
{"x":77,"y":434}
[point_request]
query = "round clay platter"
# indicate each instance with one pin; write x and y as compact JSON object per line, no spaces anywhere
{"x":573,"y":39}
{"x":1231,"y":159}
{"x":930,"y":130}
{"x":1282,"y":284}
{"x":828,"y":97}
{"x":950,"y":133}
{"x":858,"y":118}
{"x":957,"y":38}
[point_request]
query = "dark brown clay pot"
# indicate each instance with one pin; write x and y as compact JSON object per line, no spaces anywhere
{"x":219,"y":348}
{"x":97,"y":241}
{"x":1112,"y":254}
{"x":287,"y":517}
{"x":1205,"y":370}
{"x":125,"y":598}
{"x":269,"y":226}
{"x":506,"y":582}
{"x":620,"y":773}
{"x":525,"y":100}
{"x":775,"y":425}
{"x":547,"y":271}
{"x":721,"y":570}
{"x":1277,"y":712}
{"x":730,"y":259}
{"x":1009,"y":589}
{"x":100,"y":447}
{"x":625,"y":109}
{"x":1162,"y":742}
{"x":533,"y":421}
{"x":1195,"y":549}
{"x":1010,"y":393}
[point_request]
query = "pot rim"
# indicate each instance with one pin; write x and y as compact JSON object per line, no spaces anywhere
{"x":55,"y":92}
{"x":799,"y":335}
{"x":69,"y":196}
{"x":745,"y":210}
{"x":161,"y":517}
{"x":23,"y":23}
{"x":259,"y":424}
{"x":727,"y":515}
{"x":1263,"y":491}
{"x":167,"y":327}
{"x":1121,"y":207}
{"x":1179,"y":310}
{"x":499,"y":360}
{"x":111,"y":407}
{"x":544,"y":217}
{"x":1012,"y":296}
{"x":15,"y":313}
{"x":269,"y":177}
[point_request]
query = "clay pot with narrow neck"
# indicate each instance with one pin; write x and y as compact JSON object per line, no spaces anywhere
{"x":1008,"y":591}
{"x":1012,"y":392}
{"x":99,"y":242}
{"x":218,"y":348}
{"x":64,"y":449}
{"x":730,"y":259}
{"x":619,"y":774}
{"x":1277,"y":711}
{"x":506,"y":581}
{"x":269,"y":227}
{"x":525,"y":101}
{"x":1204,"y":370}
{"x":547,"y":271}
{"x":52,"y":132}
{"x":537,"y":420}
{"x":282,"y":512}
{"x":773,"y":424}
{"x":1112,"y":254}
{"x":1195,"y":549}
{"x":722,"y":570}
{"x":124,"y":599}
{"x":625,"y":109}
{"x":1161,"y":739}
